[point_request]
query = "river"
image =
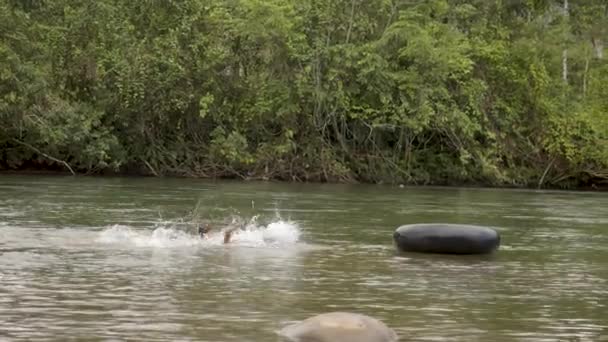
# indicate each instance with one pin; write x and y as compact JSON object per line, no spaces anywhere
{"x":118,"y":259}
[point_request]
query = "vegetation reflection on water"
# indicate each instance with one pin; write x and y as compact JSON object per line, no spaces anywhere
{"x":112,"y":258}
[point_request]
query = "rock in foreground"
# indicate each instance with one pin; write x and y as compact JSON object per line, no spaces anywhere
{"x":339,"y":327}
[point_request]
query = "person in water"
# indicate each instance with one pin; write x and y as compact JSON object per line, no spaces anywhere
{"x":204,"y":230}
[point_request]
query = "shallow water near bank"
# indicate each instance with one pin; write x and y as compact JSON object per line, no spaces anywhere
{"x":118,"y":258}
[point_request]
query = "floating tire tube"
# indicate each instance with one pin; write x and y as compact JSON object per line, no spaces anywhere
{"x":339,"y":327}
{"x":446,"y":238}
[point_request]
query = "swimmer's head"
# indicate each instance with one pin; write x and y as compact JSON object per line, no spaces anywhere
{"x":204,"y":229}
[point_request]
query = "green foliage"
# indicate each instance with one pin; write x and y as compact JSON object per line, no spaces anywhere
{"x":424,"y":92}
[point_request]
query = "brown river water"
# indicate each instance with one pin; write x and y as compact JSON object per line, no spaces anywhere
{"x":117,"y":259}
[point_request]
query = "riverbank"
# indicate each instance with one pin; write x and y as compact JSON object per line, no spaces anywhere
{"x":440,"y":92}
{"x":108,"y":174}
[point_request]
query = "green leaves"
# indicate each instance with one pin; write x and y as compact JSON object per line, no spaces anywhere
{"x":230,"y":148}
{"x":432,"y":91}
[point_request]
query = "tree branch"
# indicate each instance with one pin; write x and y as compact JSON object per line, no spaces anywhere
{"x":45,"y":155}
{"x":151,"y":168}
{"x":542,"y":179}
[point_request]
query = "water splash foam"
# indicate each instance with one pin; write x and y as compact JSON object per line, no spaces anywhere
{"x":275,"y":234}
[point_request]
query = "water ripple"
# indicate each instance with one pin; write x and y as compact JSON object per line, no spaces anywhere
{"x":117,"y":261}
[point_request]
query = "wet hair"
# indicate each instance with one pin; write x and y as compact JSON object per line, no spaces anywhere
{"x":204,"y":229}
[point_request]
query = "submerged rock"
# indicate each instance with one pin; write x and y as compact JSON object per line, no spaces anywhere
{"x":446,"y":238}
{"x":339,"y":327}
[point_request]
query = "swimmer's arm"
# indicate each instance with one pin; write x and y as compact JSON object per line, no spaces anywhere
{"x":228,"y":234}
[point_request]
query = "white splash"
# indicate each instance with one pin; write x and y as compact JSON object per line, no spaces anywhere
{"x":159,"y":237}
{"x":275,"y":234}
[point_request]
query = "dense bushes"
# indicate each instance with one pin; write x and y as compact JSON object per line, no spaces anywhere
{"x":426,"y":92}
